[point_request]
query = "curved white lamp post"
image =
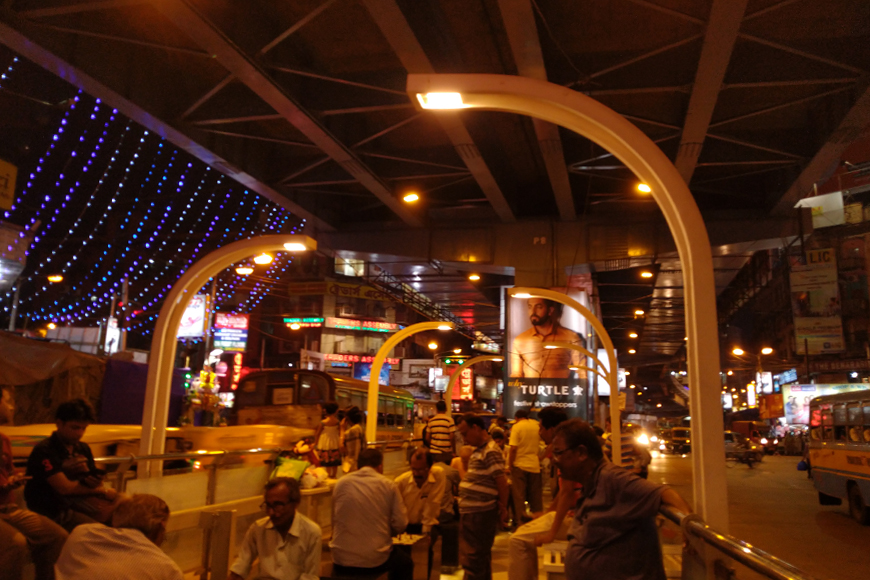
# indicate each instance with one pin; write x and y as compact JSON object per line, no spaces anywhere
{"x":164,"y":342}
{"x":562,"y":298}
{"x":374,"y":387}
{"x":630,"y":145}
{"x":448,"y":394}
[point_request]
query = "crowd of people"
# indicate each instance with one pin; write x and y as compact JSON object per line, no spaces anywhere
{"x":76,"y":528}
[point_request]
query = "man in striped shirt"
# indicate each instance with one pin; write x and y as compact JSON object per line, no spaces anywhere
{"x":439,"y":434}
{"x":483,"y":499}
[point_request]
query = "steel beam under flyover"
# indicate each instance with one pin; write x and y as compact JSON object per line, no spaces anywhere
{"x":540,"y":251}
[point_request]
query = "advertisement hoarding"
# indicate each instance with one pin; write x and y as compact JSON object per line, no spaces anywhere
{"x":537,"y":376}
{"x":193,"y":321}
{"x":815,"y":299}
{"x":363,"y":371}
{"x":231,"y":332}
{"x":797,"y":398}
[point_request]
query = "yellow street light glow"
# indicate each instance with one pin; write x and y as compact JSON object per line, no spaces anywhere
{"x":632,"y":335}
{"x":474,"y":277}
{"x":644,"y":188}
{"x":738,"y":351}
{"x":433,"y":346}
{"x":573,"y":368}
{"x":263,"y":259}
{"x":295,"y":247}
{"x":447,"y":326}
{"x":52,"y":325}
{"x":550,"y":346}
{"x":441,"y":101}
{"x":411,"y":197}
{"x":631,"y":351}
{"x":627,"y":373}
{"x":295,"y":326}
{"x":638,"y":312}
{"x":658,"y":404}
{"x":646,"y":274}
{"x":497,"y":360}
{"x":244,"y":270}
{"x":631,"y":386}
{"x":766,"y":350}
{"x":55,"y":278}
{"x":729,"y":373}
{"x":522,"y":295}
{"x":457,"y":350}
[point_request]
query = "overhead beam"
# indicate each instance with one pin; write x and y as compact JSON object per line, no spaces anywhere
{"x":396,"y":30}
{"x":28,"y":48}
{"x":856,"y":122}
{"x":722,"y":28}
{"x":78,"y":8}
{"x":189,"y":20}
{"x":519,"y":22}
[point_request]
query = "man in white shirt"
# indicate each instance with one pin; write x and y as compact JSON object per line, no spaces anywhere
{"x":525,"y":467}
{"x":287,"y":543}
{"x":425,"y":492}
{"x":367,"y":511}
{"x":128,"y":549}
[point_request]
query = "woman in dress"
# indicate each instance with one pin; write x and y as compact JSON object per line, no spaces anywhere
{"x":327,"y":440}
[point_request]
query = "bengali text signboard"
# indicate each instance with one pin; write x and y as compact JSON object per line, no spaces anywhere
{"x":231,"y":332}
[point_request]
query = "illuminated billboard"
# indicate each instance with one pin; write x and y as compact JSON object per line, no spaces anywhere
{"x":193,"y":321}
{"x":231,"y":332}
{"x":538,"y":376}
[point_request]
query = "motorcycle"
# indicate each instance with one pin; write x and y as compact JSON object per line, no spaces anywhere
{"x":748,"y":457}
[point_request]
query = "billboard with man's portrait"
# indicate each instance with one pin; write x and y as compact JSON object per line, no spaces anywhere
{"x":538,"y":376}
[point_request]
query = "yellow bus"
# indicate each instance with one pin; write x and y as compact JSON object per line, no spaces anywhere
{"x":839,"y":451}
{"x":296,"y":398}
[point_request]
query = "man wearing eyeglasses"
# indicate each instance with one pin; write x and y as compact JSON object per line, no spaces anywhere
{"x":613,"y":534}
{"x":287,"y":543}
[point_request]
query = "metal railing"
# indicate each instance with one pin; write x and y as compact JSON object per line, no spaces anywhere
{"x":753,"y":558}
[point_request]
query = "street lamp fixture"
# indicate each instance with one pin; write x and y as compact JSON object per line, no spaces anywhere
{"x":646,"y":274}
{"x":411,"y":197}
{"x":295,"y":326}
{"x":52,"y":325}
{"x":457,"y":350}
{"x":295,"y":247}
{"x":55,"y":278}
{"x":244,"y":270}
{"x":644,"y":188}
{"x":738,"y":351}
{"x":638,"y":312}
{"x":766,"y":350}
{"x":433,"y":346}
{"x":441,"y":101}
{"x":263,"y":259}
{"x":474,"y":277}
{"x":631,"y":351}
{"x":632,"y":335}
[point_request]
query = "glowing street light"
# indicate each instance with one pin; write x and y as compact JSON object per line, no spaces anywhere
{"x":263,"y":259}
{"x":52,"y":325}
{"x":738,"y":351}
{"x":766,"y":350}
{"x":295,"y":247}
{"x":457,"y":350}
{"x":646,"y":274}
{"x":631,"y":351}
{"x":55,"y":278}
{"x":474,"y":277}
{"x":632,"y":335}
{"x":433,"y":345}
{"x":295,"y":326}
{"x":441,"y":101}
{"x":411,"y":197}
{"x":244,"y":270}
{"x":638,"y":312}
{"x":644,"y":188}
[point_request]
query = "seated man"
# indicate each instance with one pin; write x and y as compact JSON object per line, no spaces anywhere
{"x":64,"y":474}
{"x":287,"y":543}
{"x":129,"y":549}
{"x":367,"y":511}
{"x":21,"y":529}
{"x":427,"y":498}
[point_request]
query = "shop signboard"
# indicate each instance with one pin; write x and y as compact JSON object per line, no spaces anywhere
{"x":463,"y":388}
{"x":354,"y":324}
{"x":356,"y":358}
{"x":193,"y":321}
{"x":536,"y":376}
{"x":363,"y":371}
{"x":764,"y":383}
{"x":231,"y":332}
{"x":113,"y":336}
{"x":8,"y":176}
{"x":797,"y":398}
{"x":304,"y":322}
{"x":337,"y":289}
{"x":727,"y":401}
{"x":815,"y":301}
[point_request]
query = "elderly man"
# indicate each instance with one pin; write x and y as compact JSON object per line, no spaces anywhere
{"x":130,"y":548}
{"x":21,"y":529}
{"x":483,"y":499}
{"x":613,"y":534}
{"x":287,"y":543}
{"x":63,"y":473}
{"x":367,"y":511}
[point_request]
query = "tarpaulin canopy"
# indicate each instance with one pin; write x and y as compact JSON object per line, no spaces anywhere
{"x":27,"y":361}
